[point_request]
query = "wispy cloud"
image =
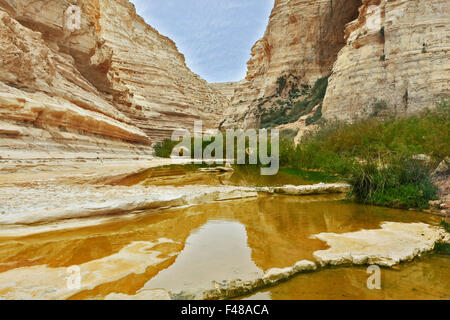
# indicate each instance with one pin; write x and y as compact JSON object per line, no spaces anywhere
{"x":214,"y":35}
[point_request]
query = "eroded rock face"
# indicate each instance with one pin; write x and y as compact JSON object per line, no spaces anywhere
{"x":396,"y":60}
{"x":91,"y":57}
{"x":386,"y":58}
{"x":47,"y":104}
{"x":302,"y":39}
{"x":112,"y":86}
{"x":161,"y":92}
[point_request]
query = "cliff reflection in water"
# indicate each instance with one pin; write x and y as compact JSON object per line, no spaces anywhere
{"x":188,"y":247}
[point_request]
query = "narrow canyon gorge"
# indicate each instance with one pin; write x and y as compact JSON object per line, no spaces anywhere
{"x":85,"y":104}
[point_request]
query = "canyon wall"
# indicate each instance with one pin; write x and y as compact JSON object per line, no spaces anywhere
{"x":164,"y":94}
{"x":226,"y":88}
{"x":114,"y":85}
{"x":385,"y":58}
{"x":396,"y":60}
{"x":301,"y":41}
{"x":108,"y":88}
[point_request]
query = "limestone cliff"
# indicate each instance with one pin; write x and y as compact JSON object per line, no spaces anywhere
{"x":163,"y":93}
{"x":226,"y":88}
{"x":301,"y":41}
{"x":110,"y":87}
{"x":396,"y":60}
{"x":384,"y":57}
{"x":114,"y":85}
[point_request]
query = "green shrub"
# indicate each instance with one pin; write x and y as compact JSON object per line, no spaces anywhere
{"x":442,"y":248}
{"x":445,"y":225}
{"x":405,"y":184}
{"x":281,"y":82}
{"x":164,"y":148}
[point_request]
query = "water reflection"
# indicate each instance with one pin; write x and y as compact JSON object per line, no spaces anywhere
{"x":189,"y":175}
{"x":215,"y":241}
{"x":424,"y":278}
{"x":218,"y":250}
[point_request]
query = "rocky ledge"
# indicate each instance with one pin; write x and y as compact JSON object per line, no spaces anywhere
{"x":320,"y":188}
{"x":30,"y":205}
{"x":388,"y":246}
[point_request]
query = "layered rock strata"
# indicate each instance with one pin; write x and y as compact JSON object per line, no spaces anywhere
{"x":386,"y":58}
{"x":106,"y":87}
{"x":302,"y":40}
{"x":162,"y":93}
{"x":396,"y":60}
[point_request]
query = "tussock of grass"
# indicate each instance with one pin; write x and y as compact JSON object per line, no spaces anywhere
{"x":445,"y":225}
{"x":403,"y":184}
{"x":442,"y":248}
{"x":164,"y":148}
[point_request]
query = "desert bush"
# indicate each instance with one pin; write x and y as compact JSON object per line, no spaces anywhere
{"x":405,"y":183}
{"x":164,"y":148}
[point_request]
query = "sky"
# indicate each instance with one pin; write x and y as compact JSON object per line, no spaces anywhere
{"x":215,"y":36}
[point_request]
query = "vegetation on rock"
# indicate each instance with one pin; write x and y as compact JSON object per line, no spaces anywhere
{"x":298,"y":104}
{"x":443,"y":248}
{"x":164,"y":148}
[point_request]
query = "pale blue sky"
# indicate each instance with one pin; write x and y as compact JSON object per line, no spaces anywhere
{"x":214,"y":35}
